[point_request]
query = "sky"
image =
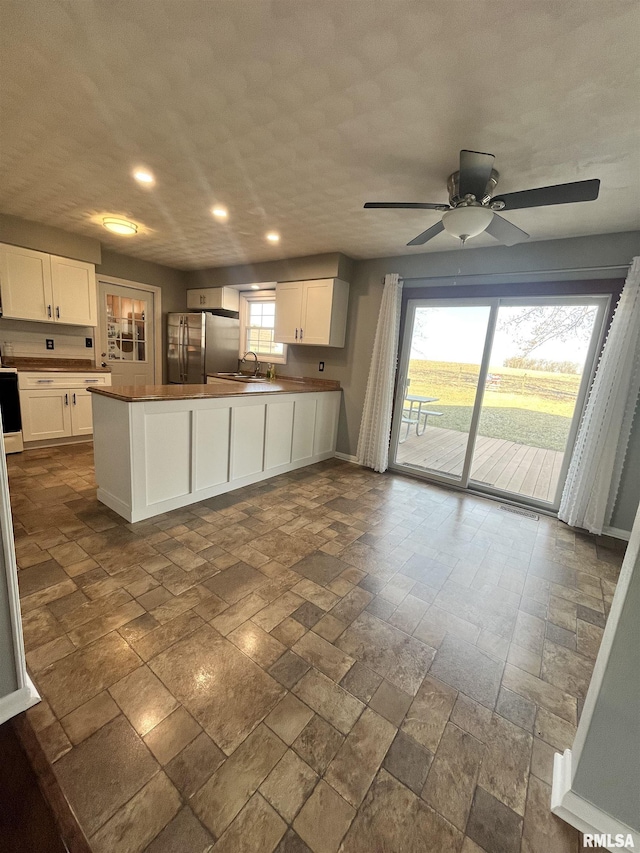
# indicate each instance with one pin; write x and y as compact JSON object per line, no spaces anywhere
{"x":457,"y":334}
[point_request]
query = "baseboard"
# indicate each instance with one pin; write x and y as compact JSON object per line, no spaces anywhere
{"x":617,"y":533}
{"x":581,"y":814}
{"x":346,"y":457}
{"x":15,"y":703}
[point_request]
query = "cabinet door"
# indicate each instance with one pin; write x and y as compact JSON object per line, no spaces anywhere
{"x":81,"y":414}
{"x":25,"y":279}
{"x":222,"y":297}
{"x":74,"y":292}
{"x":196,"y":300}
{"x":45,"y":414}
{"x":288,"y":312}
{"x":304,"y":418}
{"x":316,"y":312}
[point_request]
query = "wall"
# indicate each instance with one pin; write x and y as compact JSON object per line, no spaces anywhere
{"x":332,"y":265}
{"x":172,"y":282}
{"x":606,"y":748}
{"x":44,"y":238}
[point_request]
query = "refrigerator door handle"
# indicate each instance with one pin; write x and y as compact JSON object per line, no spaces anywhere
{"x":181,"y":349}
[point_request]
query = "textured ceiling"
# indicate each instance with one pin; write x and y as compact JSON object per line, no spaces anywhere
{"x":294,"y":113}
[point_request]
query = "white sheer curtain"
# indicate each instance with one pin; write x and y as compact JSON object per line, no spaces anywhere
{"x":375,"y":428}
{"x":596,"y":465}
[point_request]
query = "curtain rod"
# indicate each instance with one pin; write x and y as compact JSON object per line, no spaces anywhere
{"x":523,"y":272}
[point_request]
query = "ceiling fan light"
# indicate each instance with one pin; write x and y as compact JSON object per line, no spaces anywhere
{"x":464,"y":222}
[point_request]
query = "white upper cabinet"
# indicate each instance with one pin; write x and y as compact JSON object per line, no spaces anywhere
{"x":38,"y":286}
{"x":312,"y":313}
{"x":211,"y":298}
{"x":74,"y":292}
{"x":25,"y":280}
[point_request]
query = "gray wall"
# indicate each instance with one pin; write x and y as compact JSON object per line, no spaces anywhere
{"x":608,"y":765}
{"x":172,"y":282}
{"x":331,"y":265}
{"x":8,"y":678}
{"x":350,"y":365}
{"x":44,"y":238}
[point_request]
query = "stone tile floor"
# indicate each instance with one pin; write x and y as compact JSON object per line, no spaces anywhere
{"x":331,"y":660}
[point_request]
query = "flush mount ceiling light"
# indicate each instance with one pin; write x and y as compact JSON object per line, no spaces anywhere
{"x":120,"y":226}
{"x":255,"y":287}
{"x":144,"y":176}
{"x":220,"y":212}
{"x":273,"y":237}
{"x":465,"y":222}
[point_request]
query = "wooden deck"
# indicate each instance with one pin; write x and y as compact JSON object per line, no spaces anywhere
{"x":518,"y":468}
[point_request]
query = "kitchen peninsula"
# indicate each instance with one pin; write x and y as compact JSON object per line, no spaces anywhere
{"x":161,"y":447}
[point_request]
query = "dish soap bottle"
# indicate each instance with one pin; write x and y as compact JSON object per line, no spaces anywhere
{"x":271,"y":373}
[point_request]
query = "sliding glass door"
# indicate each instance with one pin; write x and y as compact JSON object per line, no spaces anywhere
{"x":491,"y":391}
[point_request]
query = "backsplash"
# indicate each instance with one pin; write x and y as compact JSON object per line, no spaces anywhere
{"x":26,"y":339}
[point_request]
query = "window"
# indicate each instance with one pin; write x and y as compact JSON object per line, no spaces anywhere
{"x":257,"y":319}
{"x":126,"y":328}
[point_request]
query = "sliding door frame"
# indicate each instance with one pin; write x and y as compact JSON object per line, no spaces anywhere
{"x":601,"y":301}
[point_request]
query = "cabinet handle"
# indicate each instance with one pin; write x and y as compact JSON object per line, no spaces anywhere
{"x":44,"y":381}
{"x":301,"y":331}
{"x":296,"y":334}
{"x":57,"y":312}
{"x":49,"y":310}
{"x":74,"y":399}
{"x":66,"y":399}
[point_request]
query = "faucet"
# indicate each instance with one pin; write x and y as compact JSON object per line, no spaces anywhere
{"x":244,"y":358}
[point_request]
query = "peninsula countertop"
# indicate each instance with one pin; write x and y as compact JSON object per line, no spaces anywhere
{"x":215,"y":388}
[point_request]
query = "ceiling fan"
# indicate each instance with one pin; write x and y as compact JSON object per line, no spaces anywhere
{"x":472,"y":204}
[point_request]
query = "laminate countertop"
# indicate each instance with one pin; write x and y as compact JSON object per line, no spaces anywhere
{"x":53,"y":365}
{"x":215,"y":388}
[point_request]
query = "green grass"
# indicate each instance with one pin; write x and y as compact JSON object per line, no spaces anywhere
{"x":528,"y":406}
{"x":536,"y":429}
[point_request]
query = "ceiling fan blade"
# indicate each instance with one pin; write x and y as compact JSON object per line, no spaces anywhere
{"x":427,"y":235}
{"x":558,"y":194}
{"x":506,"y":232}
{"x":475,"y":171}
{"x":408,"y":205}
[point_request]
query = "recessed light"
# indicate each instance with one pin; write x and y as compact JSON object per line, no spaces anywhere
{"x":273,"y":237}
{"x":143,"y":176}
{"x":255,"y":287}
{"x":220,"y":212}
{"x":120,"y":226}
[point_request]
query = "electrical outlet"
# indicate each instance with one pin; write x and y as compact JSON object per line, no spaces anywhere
{"x":49,"y":342}
{"x":321,"y":366}
{"x":88,"y":342}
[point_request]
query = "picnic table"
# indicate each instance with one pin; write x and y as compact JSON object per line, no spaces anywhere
{"x":416,"y":415}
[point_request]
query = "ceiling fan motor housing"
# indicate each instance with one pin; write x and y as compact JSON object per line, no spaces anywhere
{"x":453,"y":184}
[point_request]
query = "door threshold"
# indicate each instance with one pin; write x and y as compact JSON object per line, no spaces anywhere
{"x":417,"y":475}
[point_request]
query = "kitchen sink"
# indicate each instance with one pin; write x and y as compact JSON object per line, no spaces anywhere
{"x":240,"y":377}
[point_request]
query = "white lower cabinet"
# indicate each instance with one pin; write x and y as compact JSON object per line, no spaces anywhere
{"x":57,"y":405}
{"x":174,"y":453}
{"x":45,"y":414}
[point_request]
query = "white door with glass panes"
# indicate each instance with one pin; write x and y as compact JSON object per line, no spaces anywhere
{"x":126,"y":333}
{"x":257,"y":333}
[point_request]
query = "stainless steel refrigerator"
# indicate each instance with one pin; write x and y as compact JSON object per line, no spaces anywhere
{"x":199,"y":344}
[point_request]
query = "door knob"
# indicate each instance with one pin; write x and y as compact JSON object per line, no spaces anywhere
{"x":103,"y":364}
